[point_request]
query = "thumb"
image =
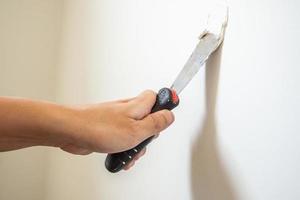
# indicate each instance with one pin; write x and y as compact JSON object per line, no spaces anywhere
{"x":156,"y":122}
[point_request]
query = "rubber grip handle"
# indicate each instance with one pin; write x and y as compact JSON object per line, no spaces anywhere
{"x":165,"y":99}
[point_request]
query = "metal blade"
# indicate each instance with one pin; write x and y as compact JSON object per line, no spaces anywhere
{"x":207,"y":44}
{"x":210,"y":40}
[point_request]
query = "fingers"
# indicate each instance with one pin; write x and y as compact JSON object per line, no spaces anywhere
{"x":140,"y":154}
{"x":155,"y":123}
{"x":142,"y":104}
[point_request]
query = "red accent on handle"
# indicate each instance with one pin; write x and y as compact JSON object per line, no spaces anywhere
{"x":175,"y":98}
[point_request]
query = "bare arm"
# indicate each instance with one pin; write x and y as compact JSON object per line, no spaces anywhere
{"x":106,"y":127}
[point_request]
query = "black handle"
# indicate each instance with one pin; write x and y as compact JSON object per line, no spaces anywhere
{"x":166,"y":99}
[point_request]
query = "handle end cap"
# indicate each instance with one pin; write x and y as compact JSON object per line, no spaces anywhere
{"x":113,"y":163}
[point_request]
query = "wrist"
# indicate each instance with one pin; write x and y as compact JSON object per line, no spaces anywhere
{"x":58,"y":127}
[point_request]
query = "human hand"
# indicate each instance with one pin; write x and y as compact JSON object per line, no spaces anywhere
{"x":115,"y":126}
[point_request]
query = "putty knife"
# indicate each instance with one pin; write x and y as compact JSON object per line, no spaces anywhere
{"x":167,"y":98}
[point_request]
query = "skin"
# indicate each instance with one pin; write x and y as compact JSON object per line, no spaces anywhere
{"x":105,"y":128}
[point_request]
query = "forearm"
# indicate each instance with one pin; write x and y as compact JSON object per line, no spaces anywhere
{"x":25,"y":123}
{"x":106,"y":127}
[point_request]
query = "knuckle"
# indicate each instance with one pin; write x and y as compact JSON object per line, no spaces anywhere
{"x":170,"y":116}
{"x":164,"y":120}
{"x":150,"y":92}
{"x":157,"y":123}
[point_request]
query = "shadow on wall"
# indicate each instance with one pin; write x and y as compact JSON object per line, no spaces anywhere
{"x":209,"y":178}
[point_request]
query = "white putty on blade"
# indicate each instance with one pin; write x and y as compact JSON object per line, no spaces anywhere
{"x":217,"y":22}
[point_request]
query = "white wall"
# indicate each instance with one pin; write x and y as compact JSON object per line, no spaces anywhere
{"x":236,"y":131}
{"x":28,"y":55}
{"x":235,"y":135}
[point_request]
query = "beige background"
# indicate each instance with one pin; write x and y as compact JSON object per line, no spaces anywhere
{"x":236,"y":130}
{"x":29,"y":38}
